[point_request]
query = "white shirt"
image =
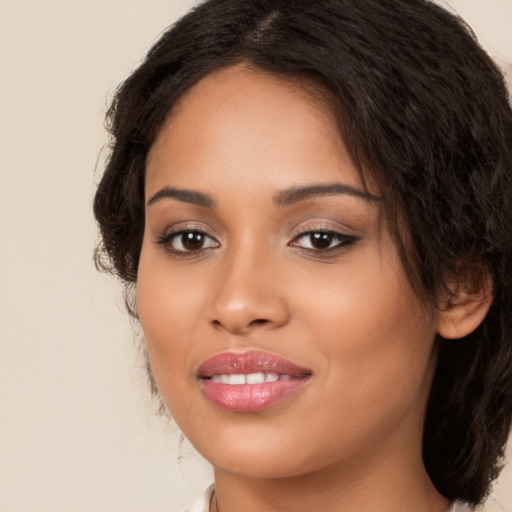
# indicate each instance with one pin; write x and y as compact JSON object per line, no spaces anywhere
{"x":203,"y":503}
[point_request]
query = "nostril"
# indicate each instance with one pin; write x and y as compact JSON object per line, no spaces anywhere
{"x":239,"y":327}
{"x":259,"y":321}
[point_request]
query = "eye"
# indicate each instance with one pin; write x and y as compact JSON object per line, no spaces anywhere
{"x":322,"y":240}
{"x":187,"y":241}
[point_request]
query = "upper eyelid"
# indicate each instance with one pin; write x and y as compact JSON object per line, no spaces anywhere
{"x":335,"y":232}
{"x":325,"y":226}
{"x":323,"y":229}
{"x":185,"y":226}
{"x":304,"y":231}
{"x":170,"y":233}
{"x":167,"y":240}
{"x":209,"y":231}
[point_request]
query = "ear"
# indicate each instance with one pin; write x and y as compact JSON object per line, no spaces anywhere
{"x":466,"y":306}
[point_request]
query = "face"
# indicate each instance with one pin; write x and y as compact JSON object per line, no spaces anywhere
{"x":282,"y":332}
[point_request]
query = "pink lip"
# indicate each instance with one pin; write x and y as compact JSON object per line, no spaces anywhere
{"x":250,"y":397}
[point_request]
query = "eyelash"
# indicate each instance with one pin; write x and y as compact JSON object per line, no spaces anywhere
{"x":167,"y":240}
{"x":343,"y":241}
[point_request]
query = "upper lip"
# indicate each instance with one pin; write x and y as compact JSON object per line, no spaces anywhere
{"x":250,"y":362}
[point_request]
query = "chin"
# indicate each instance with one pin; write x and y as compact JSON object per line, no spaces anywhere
{"x":248,"y":453}
{"x":262,"y":467}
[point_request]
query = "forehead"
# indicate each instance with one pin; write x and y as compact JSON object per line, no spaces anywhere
{"x":249,"y":128}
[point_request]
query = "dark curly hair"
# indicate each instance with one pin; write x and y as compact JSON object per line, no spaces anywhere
{"x":425,"y":112}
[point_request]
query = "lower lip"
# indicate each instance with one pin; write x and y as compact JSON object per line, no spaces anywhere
{"x":250,"y":397}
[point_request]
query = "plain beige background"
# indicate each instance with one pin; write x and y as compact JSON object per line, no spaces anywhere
{"x":77,"y":429}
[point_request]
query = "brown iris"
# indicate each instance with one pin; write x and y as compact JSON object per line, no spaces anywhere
{"x":321,"y":240}
{"x":193,"y":240}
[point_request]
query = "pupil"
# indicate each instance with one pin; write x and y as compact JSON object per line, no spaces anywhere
{"x":193,"y":240}
{"x":321,"y":240}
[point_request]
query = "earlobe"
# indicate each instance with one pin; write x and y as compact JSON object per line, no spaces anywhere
{"x":466,"y":308}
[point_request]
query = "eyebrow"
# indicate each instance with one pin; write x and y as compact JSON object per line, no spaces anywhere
{"x":183,"y":195}
{"x":297,"y":194}
{"x":285,"y":197}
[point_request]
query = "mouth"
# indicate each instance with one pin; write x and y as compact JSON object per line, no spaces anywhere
{"x":237,"y":379}
{"x":250,"y":381}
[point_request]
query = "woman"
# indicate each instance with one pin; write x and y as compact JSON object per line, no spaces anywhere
{"x":310,"y":204}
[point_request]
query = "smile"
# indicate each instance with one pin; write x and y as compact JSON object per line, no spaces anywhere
{"x":250,"y":381}
{"x":250,"y":378}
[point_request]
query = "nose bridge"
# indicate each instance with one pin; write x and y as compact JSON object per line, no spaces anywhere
{"x":247,"y":294}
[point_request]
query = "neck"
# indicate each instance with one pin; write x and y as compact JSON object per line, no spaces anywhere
{"x":383,"y":486}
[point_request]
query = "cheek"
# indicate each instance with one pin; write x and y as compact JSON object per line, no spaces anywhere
{"x":375,"y":335}
{"x":376,"y":342}
{"x":167,"y":305}
{"x":167,"y":309}
{"x":167,"y":297}
{"x":367,"y":302}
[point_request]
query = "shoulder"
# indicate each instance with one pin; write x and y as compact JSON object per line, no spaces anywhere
{"x":202,"y":504}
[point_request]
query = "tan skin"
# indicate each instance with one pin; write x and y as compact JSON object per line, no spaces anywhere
{"x":350,"y":439}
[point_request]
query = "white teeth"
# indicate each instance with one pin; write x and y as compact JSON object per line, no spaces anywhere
{"x":255,"y":378}
{"x":237,"y":378}
{"x":223,"y":379}
{"x":250,"y":378}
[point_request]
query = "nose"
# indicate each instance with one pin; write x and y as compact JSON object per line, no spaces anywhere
{"x":248,"y":296}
